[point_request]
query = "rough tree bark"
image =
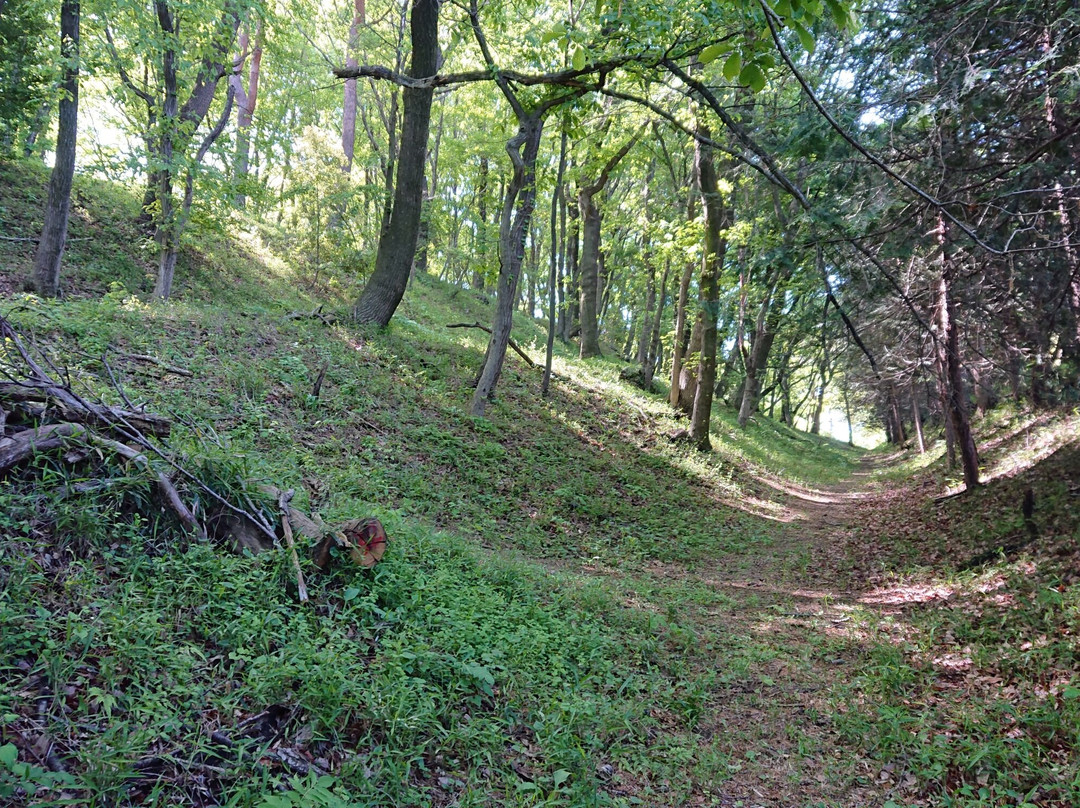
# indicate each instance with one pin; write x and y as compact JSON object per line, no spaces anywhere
{"x":553,"y":269}
{"x":768,"y":319}
{"x":916,"y":416}
{"x":394,"y":258}
{"x":517,"y":210}
{"x":652,"y":359}
{"x":177,"y":126}
{"x":572,"y":275}
{"x":349,"y":106}
{"x":590,"y":250}
{"x":717,"y":219}
{"x":682,"y":337}
{"x":50,"y":249}
{"x":245,"y":107}
{"x":949,"y":344}
{"x":478,"y":278}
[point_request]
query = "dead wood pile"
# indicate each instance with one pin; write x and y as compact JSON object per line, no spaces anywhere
{"x":41,"y":412}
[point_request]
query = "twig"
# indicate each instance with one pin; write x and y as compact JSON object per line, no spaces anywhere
{"x":370,"y":424}
{"x":153,"y":360}
{"x":115,"y":383}
{"x":327,"y":319}
{"x":947,"y":497}
{"x":38,"y":238}
{"x":165,"y":483}
{"x":283,"y":506}
{"x":513,"y":344}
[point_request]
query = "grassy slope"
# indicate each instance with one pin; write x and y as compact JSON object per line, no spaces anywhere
{"x":457,"y":670}
{"x":525,"y":641}
{"x":970,"y":686}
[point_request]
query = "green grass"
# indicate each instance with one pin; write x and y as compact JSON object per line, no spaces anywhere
{"x":545,"y":629}
{"x":460,"y":668}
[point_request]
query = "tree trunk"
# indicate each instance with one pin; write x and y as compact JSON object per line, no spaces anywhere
{"x":423,"y":235}
{"x":481,"y":228}
{"x":177,"y":126}
{"x":628,"y":343}
{"x":896,"y":417}
{"x":819,"y":405}
{"x":682,"y":339}
{"x":245,"y":109}
{"x":717,"y":219}
{"x":768,"y":319}
{"x":514,"y":224}
{"x":50,"y":248}
{"x":916,"y":417}
{"x":553,"y":268}
{"x":645,"y":340}
{"x":653,"y":355}
{"x":165,"y":235}
{"x":847,"y":414}
{"x":764,"y":335}
{"x":589,"y":274}
{"x":949,"y":336}
{"x":573,"y":269}
{"x":397,"y":246}
{"x":348,"y":118}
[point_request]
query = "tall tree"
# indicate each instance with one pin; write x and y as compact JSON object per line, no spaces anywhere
{"x":54,"y":231}
{"x":397,"y":246}
{"x":590,"y":247}
{"x":246,"y":100}
{"x":348,"y":121}
{"x":717,"y":220}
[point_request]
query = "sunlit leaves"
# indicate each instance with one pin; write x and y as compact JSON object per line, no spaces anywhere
{"x":732,"y":66}
{"x":578,"y":56}
{"x":710,"y":53}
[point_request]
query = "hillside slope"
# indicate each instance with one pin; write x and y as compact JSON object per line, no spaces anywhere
{"x":574,"y":610}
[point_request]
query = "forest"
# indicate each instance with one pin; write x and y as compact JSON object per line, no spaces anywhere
{"x":495,"y":403}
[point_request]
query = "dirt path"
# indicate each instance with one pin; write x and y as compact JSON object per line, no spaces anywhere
{"x":790,"y":616}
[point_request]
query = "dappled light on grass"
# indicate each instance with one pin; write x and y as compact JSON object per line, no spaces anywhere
{"x":1036,"y":437}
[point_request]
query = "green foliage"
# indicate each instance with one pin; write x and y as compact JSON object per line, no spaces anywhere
{"x":29,"y":43}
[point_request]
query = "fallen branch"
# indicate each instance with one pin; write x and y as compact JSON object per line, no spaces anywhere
{"x":317,"y":389}
{"x":947,"y":497}
{"x":23,"y":445}
{"x":71,"y":408}
{"x":36,"y":239}
{"x":283,"y":506}
{"x":513,"y":344}
{"x":316,"y":313}
{"x":164,"y":482}
{"x":153,"y":360}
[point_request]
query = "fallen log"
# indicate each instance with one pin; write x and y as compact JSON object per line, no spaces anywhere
{"x":24,"y":445}
{"x":69,"y":407}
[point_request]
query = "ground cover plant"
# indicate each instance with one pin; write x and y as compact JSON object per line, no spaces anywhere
{"x":578,"y":605}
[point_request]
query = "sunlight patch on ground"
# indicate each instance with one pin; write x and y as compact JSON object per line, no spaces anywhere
{"x":812,"y":495}
{"x":904,"y":594}
{"x":1038,"y":444}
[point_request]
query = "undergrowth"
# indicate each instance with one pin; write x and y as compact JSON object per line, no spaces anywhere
{"x":548,"y":626}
